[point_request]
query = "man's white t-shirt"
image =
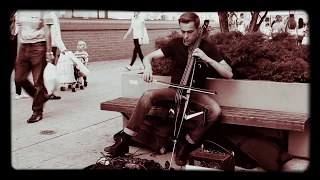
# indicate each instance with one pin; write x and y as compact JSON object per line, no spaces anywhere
{"x":136,"y":25}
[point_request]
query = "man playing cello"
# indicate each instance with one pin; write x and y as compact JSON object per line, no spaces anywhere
{"x":177,"y":50}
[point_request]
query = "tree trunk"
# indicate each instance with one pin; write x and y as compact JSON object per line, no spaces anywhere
{"x":260,"y":22}
{"x":253,"y":22}
{"x":223,"y":21}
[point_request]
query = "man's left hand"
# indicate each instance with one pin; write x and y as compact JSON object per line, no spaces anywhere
{"x":200,"y":54}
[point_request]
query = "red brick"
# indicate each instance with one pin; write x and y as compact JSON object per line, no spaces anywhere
{"x":104,"y":37}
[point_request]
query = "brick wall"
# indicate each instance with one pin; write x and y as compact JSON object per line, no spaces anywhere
{"x":104,"y":37}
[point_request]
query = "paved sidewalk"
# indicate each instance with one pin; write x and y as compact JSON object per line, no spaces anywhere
{"x":80,"y":130}
{"x":74,"y":131}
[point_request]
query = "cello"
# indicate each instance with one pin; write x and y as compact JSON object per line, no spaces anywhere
{"x":192,"y":73}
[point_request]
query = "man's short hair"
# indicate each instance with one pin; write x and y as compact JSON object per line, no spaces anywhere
{"x":190,"y":17}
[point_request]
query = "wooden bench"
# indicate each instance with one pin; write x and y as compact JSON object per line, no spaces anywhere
{"x":230,"y":115}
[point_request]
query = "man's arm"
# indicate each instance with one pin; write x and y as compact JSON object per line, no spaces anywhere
{"x":147,"y":75}
{"x":56,"y":33}
{"x":48,"y":21}
{"x":221,"y":67}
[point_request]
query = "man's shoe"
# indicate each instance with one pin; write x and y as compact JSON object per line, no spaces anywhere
{"x":34,"y":118}
{"x":121,"y":146}
{"x":184,"y":148}
{"x":54,"y":97}
{"x":17,"y":97}
{"x":21,"y":96}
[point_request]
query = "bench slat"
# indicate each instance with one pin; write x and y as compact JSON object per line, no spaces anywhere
{"x":230,"y":115}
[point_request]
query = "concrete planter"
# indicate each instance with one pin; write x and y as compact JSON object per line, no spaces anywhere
{"x":268,"y":95}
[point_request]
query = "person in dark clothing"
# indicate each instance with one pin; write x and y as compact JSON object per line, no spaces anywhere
{"x":138,"y":32}
{"x":13,"y":52}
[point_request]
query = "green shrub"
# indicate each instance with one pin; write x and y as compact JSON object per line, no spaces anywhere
{"x":253,"y":56}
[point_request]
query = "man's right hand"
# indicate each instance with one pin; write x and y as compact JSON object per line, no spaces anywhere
{"x":147,"y":75}
{"x":49,"y":57}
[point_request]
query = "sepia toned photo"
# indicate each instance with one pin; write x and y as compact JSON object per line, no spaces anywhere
{"x":168,"y":91}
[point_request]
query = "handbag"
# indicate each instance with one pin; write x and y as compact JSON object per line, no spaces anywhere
{"x":212,"y":155}
{"x":50,"y":78}
{"x":145,"y":39}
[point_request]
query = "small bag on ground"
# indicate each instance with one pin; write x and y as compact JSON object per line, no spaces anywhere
{"x":154,"y":135}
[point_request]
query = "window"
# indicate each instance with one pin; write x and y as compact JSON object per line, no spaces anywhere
{"x":85,"y":14}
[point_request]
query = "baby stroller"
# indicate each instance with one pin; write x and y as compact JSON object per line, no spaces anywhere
{"x":70,"y":71}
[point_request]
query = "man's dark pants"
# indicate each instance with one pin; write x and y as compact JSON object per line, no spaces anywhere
{"x":32,"y":57}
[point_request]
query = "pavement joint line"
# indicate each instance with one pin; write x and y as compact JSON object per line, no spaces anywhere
{"x":67,"y":133}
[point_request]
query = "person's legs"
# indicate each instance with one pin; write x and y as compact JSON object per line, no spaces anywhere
{"x":13,"y":57}
{"x":138,"y":47}
{"x":134,"y":55}
{"x":20,"y":94}
{"x":85,"y":81}
{"x":142,"y":108}
{"x":31,"y":57}
{"x":135,"y":51}
{"x":18,"y":90}
{"x":13,"y":53}
{"x":204,"y":102}
{"x":22,"y":70}
{"x":198,"y":102}
{"x":34,"y":55}
{"x":38,"y":61}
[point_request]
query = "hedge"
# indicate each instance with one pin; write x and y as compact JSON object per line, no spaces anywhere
{"x":252,"y":56}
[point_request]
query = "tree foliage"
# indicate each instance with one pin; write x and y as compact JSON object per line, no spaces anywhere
{"x":253,"y":56}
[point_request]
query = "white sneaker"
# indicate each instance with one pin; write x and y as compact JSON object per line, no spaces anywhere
{"x":129,"y":67}
{"x":17,"y":97}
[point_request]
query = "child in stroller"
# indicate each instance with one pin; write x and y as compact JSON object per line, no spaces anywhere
{"x":82,"y":55}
